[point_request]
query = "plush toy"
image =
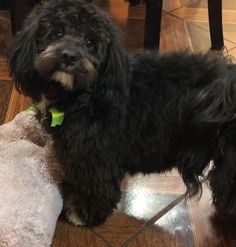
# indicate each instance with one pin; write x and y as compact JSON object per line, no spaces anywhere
{"x":30,"y":199}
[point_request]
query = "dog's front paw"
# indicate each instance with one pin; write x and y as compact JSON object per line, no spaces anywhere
{"x":70,"y":212}
{"x":73,"y":217}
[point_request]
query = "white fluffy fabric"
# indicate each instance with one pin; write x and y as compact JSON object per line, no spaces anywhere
{"x":30,"y":201}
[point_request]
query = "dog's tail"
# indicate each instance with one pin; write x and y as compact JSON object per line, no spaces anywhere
{"x":216,"y":102}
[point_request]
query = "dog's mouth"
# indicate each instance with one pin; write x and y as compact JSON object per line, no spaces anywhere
{"x":66,"y":79}
{"x":74,"y":78}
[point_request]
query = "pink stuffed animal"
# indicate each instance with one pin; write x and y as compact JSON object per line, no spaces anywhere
{"x":30,"y":201}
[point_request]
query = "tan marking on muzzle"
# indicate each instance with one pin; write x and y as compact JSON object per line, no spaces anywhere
{"x":45,"y":62}
{"x":48,"y":52}
{"x":66,"y":79}
{"x":88,"y":66}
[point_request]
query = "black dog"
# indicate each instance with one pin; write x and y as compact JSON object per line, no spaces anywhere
{"x":125,"y":113}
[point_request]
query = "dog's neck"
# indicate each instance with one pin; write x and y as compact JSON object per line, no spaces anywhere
{"x":62,"y":100}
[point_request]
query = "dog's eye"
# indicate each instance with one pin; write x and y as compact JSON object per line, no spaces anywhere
{"x":89,"y":43}
{"x":57,"y":34}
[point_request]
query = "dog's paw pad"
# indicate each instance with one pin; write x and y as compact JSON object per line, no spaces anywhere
{"x":73,"y":218}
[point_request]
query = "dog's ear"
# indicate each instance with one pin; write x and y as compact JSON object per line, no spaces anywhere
{"x":114,"y":76}
{"x":21,"y":56}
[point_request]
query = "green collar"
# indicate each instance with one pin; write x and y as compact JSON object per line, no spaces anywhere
{"x":57,"y":116}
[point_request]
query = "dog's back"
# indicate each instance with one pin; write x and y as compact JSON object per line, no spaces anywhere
{"x":180,"y":108}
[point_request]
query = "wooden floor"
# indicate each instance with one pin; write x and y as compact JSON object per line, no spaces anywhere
{"x":190,"y":223}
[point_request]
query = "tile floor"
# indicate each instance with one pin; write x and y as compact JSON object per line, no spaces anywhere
{"x":190,"y":223}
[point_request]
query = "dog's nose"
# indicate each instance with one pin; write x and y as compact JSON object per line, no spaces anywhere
{"x":68,"y":57}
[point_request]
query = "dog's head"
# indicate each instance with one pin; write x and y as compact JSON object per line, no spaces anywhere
{"x":69,"y":43}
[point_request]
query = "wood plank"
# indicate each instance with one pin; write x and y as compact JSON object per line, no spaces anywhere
{"x":17,"y":104}
{"x":5,"y":33}
{"x":4,"y":70}
{"x":5,"y":93}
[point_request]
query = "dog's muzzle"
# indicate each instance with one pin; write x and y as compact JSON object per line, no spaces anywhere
{"x":67,"y":63}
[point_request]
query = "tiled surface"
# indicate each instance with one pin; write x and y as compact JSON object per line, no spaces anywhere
{"x":189,"y":224}
{"x":170,"y":5}
{"x":200,"y":38}
{"x":197,"y":13}
{"x":173,"y":229}
{"x":118,"y":228}
{"x":144,"y":205}
{"x":169,"y":183}
{"x":76,"y":236}
{"x":153,"y":237}
{"x":208,"y":230}
{"x":174,"y":35}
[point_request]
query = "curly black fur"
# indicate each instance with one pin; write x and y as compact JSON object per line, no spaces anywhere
{"x":125,"y":113}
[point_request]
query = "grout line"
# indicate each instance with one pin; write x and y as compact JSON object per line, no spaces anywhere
{"x":188,"y":36}
{"x":101,"y":237}
{"x":154,"y":219}
{"x":232,"y":48}
{"x":184,"y":5}
{"x":195,"y":25}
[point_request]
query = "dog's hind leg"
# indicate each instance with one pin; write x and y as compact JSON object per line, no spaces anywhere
{"x":222,"y":178}
{"x":222,"y":181}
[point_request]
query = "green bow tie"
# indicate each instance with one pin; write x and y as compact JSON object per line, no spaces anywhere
{"x":57,"y":116}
